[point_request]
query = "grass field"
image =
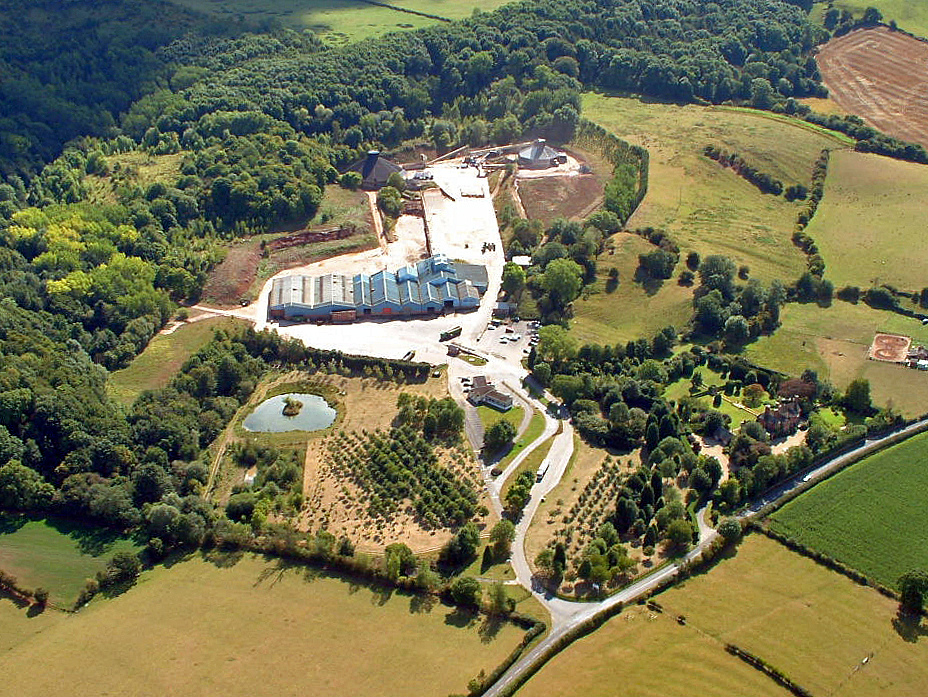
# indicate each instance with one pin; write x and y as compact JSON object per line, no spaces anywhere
{"x":911,"y":15}
{"x":709,"y":208}
{"x":55,"y":554}
{"x":536,"y":427}
{"x":646,"y":654}
{"x":531,"y":463}
{"x":811,"y":623}
{"x":870,"y":516}
{"x":343,"y":21}
{"x":861,"y":243}
{"x":163,"y":357}
{"x":834,"y":341}
{"x":256,"y":627}
{"x":608,"y":318}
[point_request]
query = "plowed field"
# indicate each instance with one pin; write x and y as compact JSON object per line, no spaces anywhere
{"x":881,"y":76}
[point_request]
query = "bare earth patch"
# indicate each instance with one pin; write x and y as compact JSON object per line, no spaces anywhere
{"x":879,"y":75}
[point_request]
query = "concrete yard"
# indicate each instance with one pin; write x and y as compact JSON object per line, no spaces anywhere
{"x":458,"y":228}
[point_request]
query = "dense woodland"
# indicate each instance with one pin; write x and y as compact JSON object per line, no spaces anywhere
{"x":260,"y":122}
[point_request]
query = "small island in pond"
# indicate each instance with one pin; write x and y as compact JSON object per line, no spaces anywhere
{"x":292,"y":406}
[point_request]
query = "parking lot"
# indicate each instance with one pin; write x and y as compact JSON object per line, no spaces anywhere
{"x":509,"y":341}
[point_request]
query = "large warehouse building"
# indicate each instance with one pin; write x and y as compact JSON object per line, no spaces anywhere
{"x":429,"y":287}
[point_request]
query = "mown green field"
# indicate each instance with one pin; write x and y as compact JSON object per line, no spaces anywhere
{"x":870,"y":516}
{"x":56,"y":554}
{"x":489,"y":416}
{"x":342,"y":21}
{"x":709,"y":208}
{"x":834,"y":341}
{"x":811,"y":623}
{"x":870,"y":224}
{"x":163,"y":357}
{"x":247,"y":626}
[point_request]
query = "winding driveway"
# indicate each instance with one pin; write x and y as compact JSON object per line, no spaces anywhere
{"x":566,"y":615}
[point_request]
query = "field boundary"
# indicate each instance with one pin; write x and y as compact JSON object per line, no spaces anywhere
{"x":406,"y":10}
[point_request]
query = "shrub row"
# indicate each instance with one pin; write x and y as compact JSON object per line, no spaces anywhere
{"x":763,"y":181}
{"x":630,"y":162}
{"x":535,"y":628}
{"x":581,"y":630}
{"x":823,"y":559}
{"x":814,"y":261}
{"x":9,"y":584}
{"x":776,"y":674}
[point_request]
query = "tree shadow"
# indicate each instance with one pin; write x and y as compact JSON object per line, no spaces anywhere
{"x":380,"y":595}
{"x":489,"y":628}
{"x":223,"y":558}
{"x":422,"y":604}
{"x":612,"y":285}
{"x":11,"y":522}
{"x":20,"y":603}
{"x":910,"y":627}
{"x":649,"y":284}
{"x":460,"y":618}
{"x":90,"y":539}
{"x":276,"y":569}
{"x":35,"y":609}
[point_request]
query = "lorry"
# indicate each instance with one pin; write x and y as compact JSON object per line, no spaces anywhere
{"x":451,"y":334}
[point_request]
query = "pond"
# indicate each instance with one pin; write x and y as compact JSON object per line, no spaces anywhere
{"x":268,"y":416}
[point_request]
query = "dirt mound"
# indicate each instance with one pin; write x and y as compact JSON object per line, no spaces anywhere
{"x":879,"y":75}
{"x":229,"y":282}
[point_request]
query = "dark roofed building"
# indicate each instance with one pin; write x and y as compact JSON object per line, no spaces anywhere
{"x":540,"y":155}
{"x":375,"y":170}
{"x":782,"y":421}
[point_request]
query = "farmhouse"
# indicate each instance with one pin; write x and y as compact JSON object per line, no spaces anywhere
{"x":539,"y":155}
{"x":782,"y":421}
{"x":374,"y":170}
{"x":483,"y":392}
{"x":429,"y":287}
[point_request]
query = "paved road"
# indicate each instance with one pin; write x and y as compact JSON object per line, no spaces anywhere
{"x":566,"y":615}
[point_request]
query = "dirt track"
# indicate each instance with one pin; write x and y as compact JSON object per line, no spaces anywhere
{"x":880,"y":76}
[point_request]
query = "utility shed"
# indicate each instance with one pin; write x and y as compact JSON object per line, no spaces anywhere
{"x":540,"y":155}
{"x":375,"y":170}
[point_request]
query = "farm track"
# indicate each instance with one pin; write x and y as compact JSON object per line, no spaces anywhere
{"x":880,"y":76}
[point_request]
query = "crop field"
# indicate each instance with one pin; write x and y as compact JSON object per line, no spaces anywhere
{"x":875,"y":73}
{"x":870,"y":515}
{"x":824,"y":631}
{"x":163,"y":357}
{"x":55,"y":554}
{"x":249,"y":626}
{"x":647,"y":654}
{"x":709,"y":208}
{"x":861,"y":244}
{"x":343,"y":21}
{"x":607,"y":315}
{"x":834,"y":342}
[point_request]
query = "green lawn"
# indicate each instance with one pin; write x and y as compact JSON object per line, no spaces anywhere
{"x":536,"y":427}
{"x":815,"y":625}
{"x":871,"y":515}
{"x":343,"y":21}
{"x":531,"y":463}
{"x":163,"y":357}
{"x":834,"y":341}
{"x":56,"y":554}
{"x":489,"y":416}
{"x":680,"y":388}
{"x":862,"y":244}
{"x":605,"y":317}
{"x":706,"y":207}
{"x":249,"y":626}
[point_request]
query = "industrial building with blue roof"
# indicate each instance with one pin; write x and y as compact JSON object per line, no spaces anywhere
{"x":430,"y":287}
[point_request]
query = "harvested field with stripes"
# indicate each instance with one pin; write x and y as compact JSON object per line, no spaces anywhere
{"x":880,"y":76}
